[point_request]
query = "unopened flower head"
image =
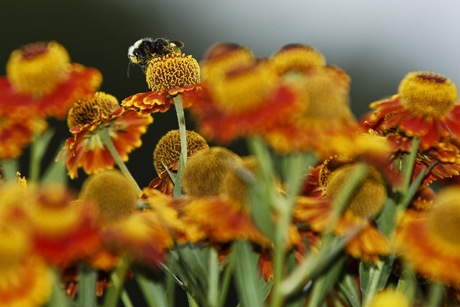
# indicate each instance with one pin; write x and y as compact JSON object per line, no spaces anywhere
{"x":168,"y":148}
{"x":369,"y":197}
{"x":112,"y":193}
{"x":205,"y":171}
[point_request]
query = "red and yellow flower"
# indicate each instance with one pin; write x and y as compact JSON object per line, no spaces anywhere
{"x":92,"y":120}
{"x":429,"y":240}
{"x":166,"y":76}
{"x":41,"y":81}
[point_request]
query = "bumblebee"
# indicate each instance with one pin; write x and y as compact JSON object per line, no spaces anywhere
{"x":146,"y":49}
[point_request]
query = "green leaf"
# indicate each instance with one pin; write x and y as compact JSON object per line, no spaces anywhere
{"x":347,"y":285}
{"x":249,"y":284}
{"x":58,"y":296}
{"x":153,"y":290}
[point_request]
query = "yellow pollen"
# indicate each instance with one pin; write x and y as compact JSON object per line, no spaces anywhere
{"x":112,"y":193}
{"x":224,"y":57}
{"x":327,"y":90}
{"x":428,"y":94}
{"x":171,"y":71}
{"x":245,"y":89}
{"x":370,"y":196}
{"x":205,"y":171}
{"x":36,"y":69}
{"x":297,"y":57}
{"x":87,"y":111}
{"x":167,"y":150}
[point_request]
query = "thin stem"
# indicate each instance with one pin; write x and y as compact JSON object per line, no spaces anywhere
{"x":436,"y":294}
{"x":107,"y":141}
{"x":408,"y":164}
{"x":182,"y":129}
{"x":213,"y":278}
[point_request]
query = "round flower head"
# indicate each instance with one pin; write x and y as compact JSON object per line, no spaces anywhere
{"x":112,"y":193}
{"x":425,"y":107}
{"x":167,"y":76}
{"x":42,"y":81}
{"x":167,"y":150}
{"x":204,"y":173}
{"x":429,"y":240}
{"x":92,"y":120}
{"x":297,"y":57}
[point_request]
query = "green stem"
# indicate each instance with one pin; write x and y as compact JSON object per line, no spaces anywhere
{"x":182,"y":130}
{"x":87,"y":286}
{"x":227,"y":277}
{"x":375,"y":272}
{"x":107,"y":141}
{"x":117,"y":278}
{"x":435,"y":295}
{"x":213,"y":279}
{"x":408,"y":165}
{"x":154,"y":292}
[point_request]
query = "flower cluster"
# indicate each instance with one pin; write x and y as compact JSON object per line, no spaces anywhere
{"x":326,"y":209}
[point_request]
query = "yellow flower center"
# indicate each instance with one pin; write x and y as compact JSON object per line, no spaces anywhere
{"x":37,"y":68}
{"x":368,"y":199}
{"x":112,"y":193}
{"x":297,"y":57}
{"x":224,"y":57}
{"x":327,"y":91}
{"x":171,"y":71}
{"x":205,"y":171}
{"x":428,"y":94}
{"x":167,"y":150}
{"x":87,"y":111}
{"x":236,"y":186}
{"x":244,"y":89}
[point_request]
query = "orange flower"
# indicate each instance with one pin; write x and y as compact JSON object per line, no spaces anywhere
{"x":429,"y":240}
{"x":41,"y":81}
{"x":62,"y":232}
{"x":167,"y":76}
{"x":240,"y":97}
{"x":426,"y":107}
{"x":365,"y":204}
{"x":88,"y":120}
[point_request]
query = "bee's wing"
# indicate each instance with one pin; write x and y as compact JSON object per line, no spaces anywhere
{"x":178,"y":44}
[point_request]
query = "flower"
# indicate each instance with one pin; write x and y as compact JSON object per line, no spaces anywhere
{"x":425,"y":107}
{"x":364,"y":204}
{"x":428,"y":239}
{"x":112,"y":193}
{"x":167,"y":76}
{"x":241,"y":97}
{"x":91,"y":121}
{"x":297,"y":57}
{"x":166,"y":157}
{"x":41,"y":81}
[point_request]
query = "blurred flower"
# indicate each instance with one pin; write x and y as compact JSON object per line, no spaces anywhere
{"x":113,"y":195}
{"x":167,"y":76}
{"x":62,"y":232}
{"x":241,"y":96}
{"x":166,"y":157}
{"x":365,"y":204}
{"x":429,"y":240}
{"x":41,"y":81}
{"x":297,"y":58}
{"x":90,"y":121}
{"x":143,"y":236}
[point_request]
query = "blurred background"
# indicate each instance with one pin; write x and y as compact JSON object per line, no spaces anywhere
{"x":376,"y":42}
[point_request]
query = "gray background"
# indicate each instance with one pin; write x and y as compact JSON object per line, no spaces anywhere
{"x":376,"y":42}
